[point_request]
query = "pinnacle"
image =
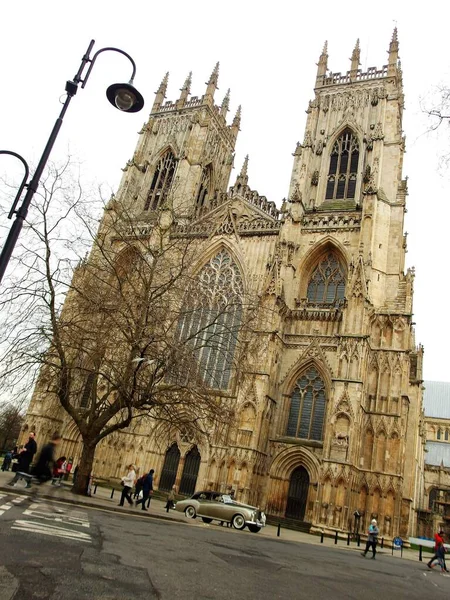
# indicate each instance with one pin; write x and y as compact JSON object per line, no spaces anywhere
{"x":325,"y":47}
{"x":237,"y":116}
{"x":188,"y":82}
{"x":244,"y":168}
{"x":395,"y":35}
{"x":214,"y":75}
{"x":163,"y":85}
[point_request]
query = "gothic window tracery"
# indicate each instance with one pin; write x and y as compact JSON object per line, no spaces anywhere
{"x":439,"y":434}
{"x":161,"y":182}
{"x":203,"y":191}
{"x":343,"y":171}
{"x":327,"y":283}
{"x":211,"y":317}
{"x":307,"y":410}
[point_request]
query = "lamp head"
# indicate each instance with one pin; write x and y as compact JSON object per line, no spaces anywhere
{"x":125,"y":97}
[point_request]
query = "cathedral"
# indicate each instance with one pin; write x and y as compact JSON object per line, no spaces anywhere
{"x":328,"y":431}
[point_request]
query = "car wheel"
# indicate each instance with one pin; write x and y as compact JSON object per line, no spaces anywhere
{"x":206,"y":520}
{"x":254,"y":528}
{"x":190,"y":512}
{"x":238,"y":522}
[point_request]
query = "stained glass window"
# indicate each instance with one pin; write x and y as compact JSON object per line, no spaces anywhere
{"x":327,"y":283}
{"x":211,"y":318}
{"x":307,"y":410}
{"x":161,"y":182}
{"x":342,"y":174}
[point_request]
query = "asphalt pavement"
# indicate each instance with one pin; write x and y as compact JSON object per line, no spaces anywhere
{"x":65,"y":551}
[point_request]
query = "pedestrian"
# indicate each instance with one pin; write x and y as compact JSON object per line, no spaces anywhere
{"x":128,"y":483}
{"x":27,"y":454}
{"x":138,"y":487}
{"x":147,"y":490}
{"x":59,"y":470}
{"x":68,"y":469}
{"x":43,"y":468}
{"x":372,"y":538}
{"x":438,"y":541}
{"x":75,"y":473}
{"x":440,"y":557}
{"x":7,"y":461}
{"x":171,"y":499}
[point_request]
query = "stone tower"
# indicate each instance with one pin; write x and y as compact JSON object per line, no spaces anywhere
{"x":326,"y":429}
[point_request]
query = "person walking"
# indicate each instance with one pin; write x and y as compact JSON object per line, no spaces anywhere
{"x":438,"y":542}
{"x":128,"y":483}
{"x":372,"y":539}
{"x":7,"y":461}
{"x":171,"y":499}
{"x":27,"y":454}
{"x":147,"y":490}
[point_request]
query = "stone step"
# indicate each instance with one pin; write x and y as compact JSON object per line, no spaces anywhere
{"x":288,"y":523}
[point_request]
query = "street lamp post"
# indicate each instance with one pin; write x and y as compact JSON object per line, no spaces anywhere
{"x":123,"y":96}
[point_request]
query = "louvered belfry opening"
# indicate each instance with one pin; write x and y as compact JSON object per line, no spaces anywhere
{"x":308,"y":404}
{"x":327,"y":283}
{"x":170,"y":468}
{"x":203,"y":191}
{"x":190,"y":472}
{"x":343,"y":171}
{"x":211,"y":317}
{"x":161,"y":182}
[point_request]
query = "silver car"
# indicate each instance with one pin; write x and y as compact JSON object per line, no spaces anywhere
{"x":221,"y":507}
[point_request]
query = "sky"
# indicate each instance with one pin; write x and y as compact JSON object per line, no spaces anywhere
{"x":268,"y":53}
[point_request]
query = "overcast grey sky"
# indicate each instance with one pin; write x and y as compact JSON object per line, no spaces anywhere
{"x":268,"y":53}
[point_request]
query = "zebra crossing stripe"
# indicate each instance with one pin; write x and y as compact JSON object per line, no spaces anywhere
{"x":18,"y":500}
{"x":54,"y":530}
{"x":6,"y":506}
{"x":75,"y":520}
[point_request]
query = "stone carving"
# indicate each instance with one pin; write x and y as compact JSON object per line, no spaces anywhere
{"x":315,"y":178}
{"x":378,"y":132}
{"x":308,"y":143}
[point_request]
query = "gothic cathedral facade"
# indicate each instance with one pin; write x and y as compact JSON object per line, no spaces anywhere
{"x":328,"y":426}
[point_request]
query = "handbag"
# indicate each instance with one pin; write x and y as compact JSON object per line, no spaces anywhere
{"x":122,"y":483}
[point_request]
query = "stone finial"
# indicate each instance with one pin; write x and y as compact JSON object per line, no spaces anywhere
{"x":242,"y":178}
{"x":322,"y":65}
{"x":393,"y":54}
{"x":211,"y":85}
{"x":185,"y":90}
{"x":224,"y":108}
{"x":356,"y":58}
{"x":237,"y":119}
{"x":161,"y":92}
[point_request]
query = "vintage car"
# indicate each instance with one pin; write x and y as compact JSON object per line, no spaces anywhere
{"x":221,"y":507}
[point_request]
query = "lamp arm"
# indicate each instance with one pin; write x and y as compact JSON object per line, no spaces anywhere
{"x":94,"y":58}
{"x":24,"y":180}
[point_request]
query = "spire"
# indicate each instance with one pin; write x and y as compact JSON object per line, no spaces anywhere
{"x":242,"y":178}
{"x":185,"y":90}
{"x":161,"y":93}
{"x":393,"y":54}
{"x":212,"y":83}
{"x":356,"y":56}
{"x":224,"y":108}
{"x":322,"y":65}
{"x":236,"y":121}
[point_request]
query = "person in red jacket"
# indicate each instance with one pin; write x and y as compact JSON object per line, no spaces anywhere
{"x":438,"y":541}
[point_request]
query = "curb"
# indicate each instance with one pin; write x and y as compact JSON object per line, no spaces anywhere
{"x":113,"y":509}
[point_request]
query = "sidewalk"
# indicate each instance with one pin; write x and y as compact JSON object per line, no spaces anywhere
{"x":102,"y":500}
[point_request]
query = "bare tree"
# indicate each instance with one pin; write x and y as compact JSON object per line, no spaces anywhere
{"x":126,"y":331}
{"x":11,"y":419}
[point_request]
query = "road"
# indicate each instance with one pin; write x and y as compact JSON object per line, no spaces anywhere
{"x":57,"y":551}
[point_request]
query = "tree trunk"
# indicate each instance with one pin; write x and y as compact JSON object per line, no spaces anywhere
{"x":81,"y":485}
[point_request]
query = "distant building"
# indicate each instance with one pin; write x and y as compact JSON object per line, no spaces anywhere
{"x":328,"y":421}
{"x":436,"y":503}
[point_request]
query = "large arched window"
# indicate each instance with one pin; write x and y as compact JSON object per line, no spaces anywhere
{"x":211,"y":317}
{"x":161,"y":182}
{"x":203,"y":190}
{"x":327,"y":283}
{"x":307,"y":410}
{"x":342,"y":174}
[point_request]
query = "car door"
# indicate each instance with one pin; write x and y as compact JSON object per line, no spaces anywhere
{"x":216,"y":508}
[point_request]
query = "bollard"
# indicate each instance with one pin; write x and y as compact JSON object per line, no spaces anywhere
{"x":392,"y":548}
{"x":95,"y":488}
{"x":321,"y":538}
{"x":336,"y":537}
{"x":358,"y":540}
{"x":348,"y":539}
{"x":279,"y":529}
{"x":401,"y":551}
{"x":112,"y":494}
{"x":420,"y":553}
{"x":382,"y":542}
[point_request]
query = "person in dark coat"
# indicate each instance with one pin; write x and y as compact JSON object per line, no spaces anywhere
{"x":147,"y":490}
{"x":43,"y":468}
{"x":7,"y":461}
{"x":27,"y":455}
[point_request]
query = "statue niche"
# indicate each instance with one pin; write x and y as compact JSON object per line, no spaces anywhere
{"x":340,"y":440}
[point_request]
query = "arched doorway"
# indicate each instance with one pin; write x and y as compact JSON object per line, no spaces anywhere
{"x":170,"y":468}
{"x":298,"y":494}
{"x":190,"y":472}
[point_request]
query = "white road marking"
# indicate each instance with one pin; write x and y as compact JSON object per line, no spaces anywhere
{"x":6,"y":506}
{"x":1,"y":512}
{"x":19,"y":499}
{"x":44,"y":529}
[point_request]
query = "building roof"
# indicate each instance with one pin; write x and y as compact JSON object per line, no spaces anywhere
{"x":437,"y":452}
{"x":436,"y":399}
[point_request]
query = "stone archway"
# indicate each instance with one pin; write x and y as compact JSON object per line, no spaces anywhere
{"x":297,"y":494}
